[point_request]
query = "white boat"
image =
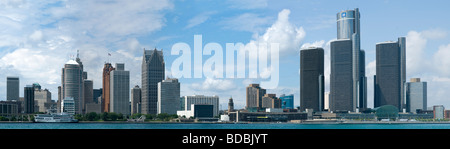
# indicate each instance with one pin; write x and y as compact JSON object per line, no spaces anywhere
{"x":54,"y":118}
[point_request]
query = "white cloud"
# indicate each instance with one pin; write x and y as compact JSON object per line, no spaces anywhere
{"x":199,"y":19}
{"x":442,"y":60}
{"x":36,"y":36}
{"x":283,"y":32}
{"x":246,"y":22}
{"x":210,"y":84}
{"x":318,"y":44}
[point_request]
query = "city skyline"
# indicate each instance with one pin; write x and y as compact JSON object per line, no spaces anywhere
{"x":34,"y":48}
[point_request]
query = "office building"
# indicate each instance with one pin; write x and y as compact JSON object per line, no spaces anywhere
{"x":438,"y":111}
{"x":198,"y":111}
{"x":389,"y":82}
{"x":341,"y":86}
{"x":97,"y":95}
{"x":168,"y":96}
{"x":287,"y":101}
{"x":312,"y":84}
{"x":201,"y":99}
{"x":136,"y":99}
{"x":153,"y":68}
{"x":10,"y":107}
{"x":230,"y":105}
{"x":270,"y":101}
{"x":88,"y":93}
{"x":28,"y":95}
{"x":72,"y":83}
{"x":106,"y":99}
{"x":120,"y":90}
{"x":348,"y":28}
{"x":12,"y":88}
{"x":68,"y":105}
{"x":416,"y":95}
{"x":254,"y":96}
{"x":326,"y":101}
{"x":43,"y":99}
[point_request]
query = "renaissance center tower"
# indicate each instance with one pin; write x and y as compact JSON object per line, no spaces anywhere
{"x":348,"y":28}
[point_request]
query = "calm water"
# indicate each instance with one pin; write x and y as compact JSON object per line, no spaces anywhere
{"x":216,"y":126}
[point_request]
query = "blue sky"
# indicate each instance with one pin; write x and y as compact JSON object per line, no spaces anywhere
{"x":38,"y":37}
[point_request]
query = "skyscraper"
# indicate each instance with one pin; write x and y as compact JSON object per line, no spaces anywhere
{"x":107,"y":68}
{"x":28,"y":95}
{"x":168,"y":96}
{"x":254,"y":96}
{"x":416,"y":95}
{"x":72,"y":81}
{"x":389,"y":84}
{"x":341,"y":80}
{"x":230,"y":105}
{"x":348,"y":27}
{"x":312,"y":84}
{"x":42,"y":98}
{"x":153,"y":68}
{"x":271,"y":101}
{"x":120,"y":90}
{"x":88,"y":93}
{"x":12,"y":88}
{"x":136,"y":99}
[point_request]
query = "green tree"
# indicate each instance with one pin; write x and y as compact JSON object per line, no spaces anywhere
{"x":92,"y":116}
{"x":104,"y":116}
{"x":113,"y":116}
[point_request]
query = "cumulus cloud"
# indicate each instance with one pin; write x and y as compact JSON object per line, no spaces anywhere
{"x":38,"y":37}
{"x":283,"y":32}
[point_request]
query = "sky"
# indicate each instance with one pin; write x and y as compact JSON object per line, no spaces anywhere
{"x":38,"y":37}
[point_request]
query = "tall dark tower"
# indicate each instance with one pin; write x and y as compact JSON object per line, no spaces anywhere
{"x":230,"y":105}
{"x":341,"y":80}
{"x":153,"y":68}
{"x":390,"y":81}
{"x":312,"y":79}
{"x":106,"y":99}
{"x":348,"y":27}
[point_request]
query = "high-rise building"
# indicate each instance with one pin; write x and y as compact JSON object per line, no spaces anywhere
{"x":72,"y":83}
{"x":416,"y":95}
{"x":230,"y":105}
{"x":107,"y":68}
{"x":312,"y":84}
{"x":96,"y":94}
{"x":287,"y":101}
{"x":201,"y":99}
{"x":153,"y":68}
{"x":43,"y":99}
{"x":341,"y":86}
{"x":68,"y":105}
{"x":438,"y":111}
{"x":58,"y":103}
{"x":136,"y":99}
{"x":28,"y":95}
{"x":88,"y":93}
{"x":168,"y":96}
{"x":389,"y":82}
{"x":271,"y":101}
{"x":120,"y":90}
{"x":254,"y":96}
{"x":12,"y":88}
{"x":348,"y":27}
